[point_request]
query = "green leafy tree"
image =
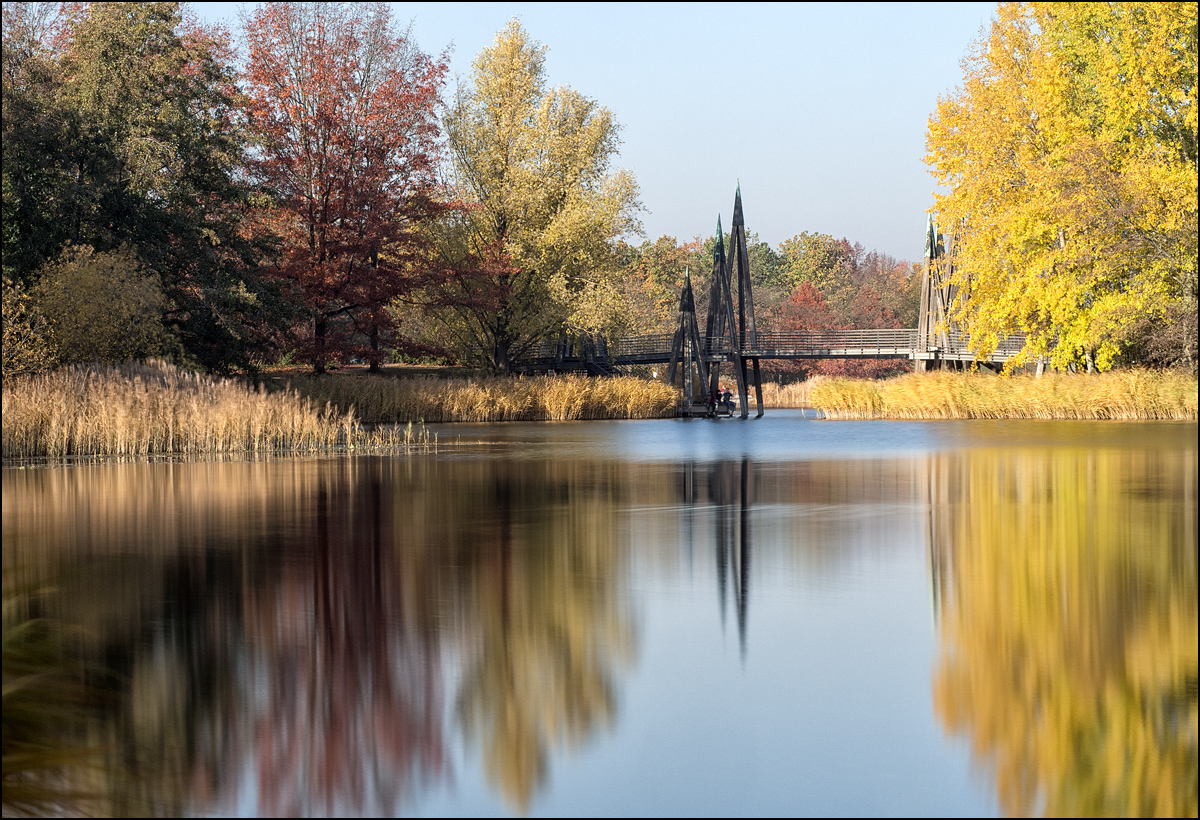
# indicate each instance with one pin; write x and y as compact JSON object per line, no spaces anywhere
{"x":101,"y":307}
{"x":811,"y":257}
{"x":534,"y":244}
{"x":123,"y":126}
{"x":36,"y":135}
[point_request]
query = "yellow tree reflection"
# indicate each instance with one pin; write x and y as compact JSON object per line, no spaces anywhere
{"x":548,"y":628}
{"x":1069,"y":626}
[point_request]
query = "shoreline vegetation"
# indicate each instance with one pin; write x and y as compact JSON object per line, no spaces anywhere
{"x":155,"y":408}
{"x":1133,"y":395}
{"x":385,"y":399}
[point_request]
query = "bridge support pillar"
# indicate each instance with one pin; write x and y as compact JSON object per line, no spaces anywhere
{"x":758,"y":396}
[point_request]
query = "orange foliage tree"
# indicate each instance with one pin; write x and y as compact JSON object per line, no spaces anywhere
{"x":344,"y":107}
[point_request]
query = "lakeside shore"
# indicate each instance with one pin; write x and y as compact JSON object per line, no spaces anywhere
{"x":1134,"y":395}
{"x":155,"y":408}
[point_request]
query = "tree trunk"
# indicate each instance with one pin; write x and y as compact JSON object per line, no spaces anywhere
{"x":500,"y":355}
{"x":375,"y":358}
{"x":319,"y":346}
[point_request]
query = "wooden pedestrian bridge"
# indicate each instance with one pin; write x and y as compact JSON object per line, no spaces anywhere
{"x":731,"y":336}
{"x":598,"y":357}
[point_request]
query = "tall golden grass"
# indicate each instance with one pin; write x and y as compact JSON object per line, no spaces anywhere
{"x":796,"y":394}
{"x":384,"y":399}
{"x":157,"y":408}
{"x":1125,"y":394}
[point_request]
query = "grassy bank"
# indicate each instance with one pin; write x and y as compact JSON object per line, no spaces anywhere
{"x":156,"y":408}
{"x":1129,"y":394}
{"x":384,"y":399}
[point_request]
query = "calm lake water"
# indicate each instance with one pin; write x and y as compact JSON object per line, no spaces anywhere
{"x":780,"y":616}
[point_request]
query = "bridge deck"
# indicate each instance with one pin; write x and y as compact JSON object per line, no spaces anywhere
{"x":885,"y":343}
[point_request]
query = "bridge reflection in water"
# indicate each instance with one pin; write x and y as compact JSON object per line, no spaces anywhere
{"x":731,"y":493}
{"x":1064,"y":590}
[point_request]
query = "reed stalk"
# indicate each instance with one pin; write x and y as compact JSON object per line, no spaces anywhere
{"x":1135,"y":394}
{"x":389,"y":400}
{"x":796,"y":394}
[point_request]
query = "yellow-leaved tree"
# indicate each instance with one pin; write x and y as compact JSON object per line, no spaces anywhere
{"x":1068,"y":156}
{"x":533,"y":249}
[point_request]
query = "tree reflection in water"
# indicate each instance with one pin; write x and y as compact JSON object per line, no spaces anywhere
{"x":249,"y":625}
{"x":1069,"y":625}
{"x":539,"y":565}
{"x":290,"y":620}
{"x":348,"y":706}
{"x":317,"y":626}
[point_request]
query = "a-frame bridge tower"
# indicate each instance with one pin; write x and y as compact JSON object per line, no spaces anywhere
{"x":937,"y":331}
{"x":729,"y":328}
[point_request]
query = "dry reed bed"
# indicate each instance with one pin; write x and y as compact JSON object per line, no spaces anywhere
{"x":384,"y":399}
{"x":156,"y":408}
{"x":796,"y":394}
{"x":1127,"y":394}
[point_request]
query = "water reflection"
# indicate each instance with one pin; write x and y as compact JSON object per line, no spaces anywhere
{"x":543,"y":624}
{"x":1069,"y":625}
{"x":312,"y":636}
{"x":731,"y":492}
{"x":293,"y":624}
{"x":342,"y":669}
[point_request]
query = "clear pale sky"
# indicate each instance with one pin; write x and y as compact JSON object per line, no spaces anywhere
{"x":818,"y":109}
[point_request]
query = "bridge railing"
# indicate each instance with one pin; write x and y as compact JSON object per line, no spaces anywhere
{"x":647,"y":345}
{"x":1008,"y":346}
{"x":885,"y":338}
{"x":900,"y":340}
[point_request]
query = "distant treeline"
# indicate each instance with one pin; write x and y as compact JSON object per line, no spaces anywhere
{"x":160,"y":200}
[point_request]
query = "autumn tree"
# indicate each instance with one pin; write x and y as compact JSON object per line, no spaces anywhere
{"x":805,"y":309}
{"x":122,"y":127}
{"x":1069,"y":159}
{"x":534,"y":243}
{"x":651,"y":278}
{"x":896,"y":282}
{"x":344,"y":108}
{"x":100,"y":307}
{"x":26,"y":344}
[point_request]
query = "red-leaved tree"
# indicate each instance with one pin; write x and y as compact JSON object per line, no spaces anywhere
{"x":345,"y":108}
{"x":805,"y":309}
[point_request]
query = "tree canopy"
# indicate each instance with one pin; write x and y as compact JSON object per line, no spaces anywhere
{"x":122,"y":127}
{"x":535,"y":239}
{"x":1069,"y":161}
{"x":344,"y":109}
